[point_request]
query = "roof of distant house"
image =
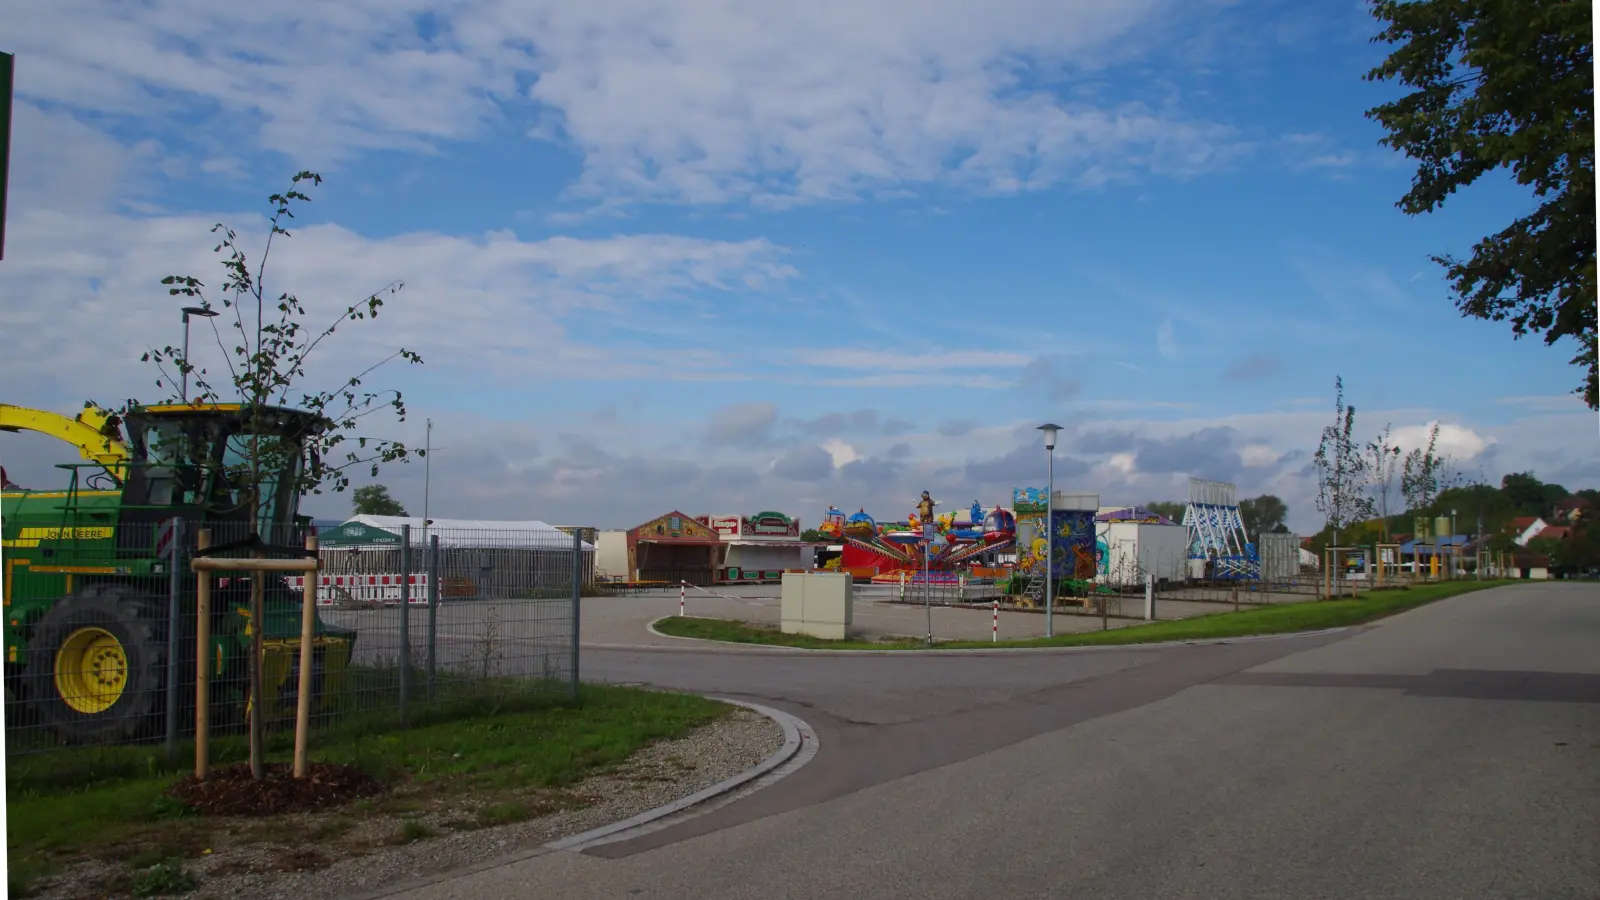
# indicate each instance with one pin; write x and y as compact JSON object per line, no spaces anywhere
{"x":1559,"y":532}
{"x":1522,"y":522}
{"x":1571,"y":503}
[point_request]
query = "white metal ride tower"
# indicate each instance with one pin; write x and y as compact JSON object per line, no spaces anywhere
{"x":1215,"y":527}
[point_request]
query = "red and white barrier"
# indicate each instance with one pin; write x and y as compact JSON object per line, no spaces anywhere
{"x":683,"y":587}
{"x":997,"y":621}
{"x":364,"y":588}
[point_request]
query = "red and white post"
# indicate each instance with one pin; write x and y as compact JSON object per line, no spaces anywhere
{"x":997,"y":620}
{"x":682,"y":587}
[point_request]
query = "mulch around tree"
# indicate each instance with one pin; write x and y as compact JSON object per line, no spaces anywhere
{"x":230,"y":791}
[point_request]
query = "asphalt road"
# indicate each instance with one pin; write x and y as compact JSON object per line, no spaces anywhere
{"x":1452,"y":752}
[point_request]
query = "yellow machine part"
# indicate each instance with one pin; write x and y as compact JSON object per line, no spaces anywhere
{"x":279,"y":673}
{"x":92,"y":431}
{"x":91,"y":670}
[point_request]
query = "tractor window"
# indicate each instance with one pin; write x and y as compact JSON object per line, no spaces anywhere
{"x":174,"y":460}
{"x":280,"y":462}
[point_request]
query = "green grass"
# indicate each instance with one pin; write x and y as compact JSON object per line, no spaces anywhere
{"x":109,"y":802}
{"x":1276,"y":619}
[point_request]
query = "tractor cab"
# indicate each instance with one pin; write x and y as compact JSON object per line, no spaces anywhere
{"x":194,"y":461}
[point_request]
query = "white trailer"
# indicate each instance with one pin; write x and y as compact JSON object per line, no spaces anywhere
{"x":1134,"y":550}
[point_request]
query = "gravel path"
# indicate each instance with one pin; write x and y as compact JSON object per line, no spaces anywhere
{"x":366,"y":858}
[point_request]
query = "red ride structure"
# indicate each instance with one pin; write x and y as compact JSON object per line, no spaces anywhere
{"x":894,"y":552}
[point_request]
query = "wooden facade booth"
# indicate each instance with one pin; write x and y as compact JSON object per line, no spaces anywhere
{"x":673,"y":548}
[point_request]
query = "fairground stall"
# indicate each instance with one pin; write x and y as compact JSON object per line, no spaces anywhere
{"x":673,"y":548}
{"x":758,"y":549}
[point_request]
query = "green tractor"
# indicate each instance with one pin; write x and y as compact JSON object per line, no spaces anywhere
{"x":88,"y":577}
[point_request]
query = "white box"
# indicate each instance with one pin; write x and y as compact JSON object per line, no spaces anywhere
{"x":820,"y":604}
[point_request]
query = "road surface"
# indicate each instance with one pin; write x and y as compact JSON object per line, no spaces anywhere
{"x":1452,"y":752}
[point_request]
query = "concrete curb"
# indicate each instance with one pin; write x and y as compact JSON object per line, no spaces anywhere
{"x":797,"y":737}
{"x":799,"y":746}
{"x":708,"y":645}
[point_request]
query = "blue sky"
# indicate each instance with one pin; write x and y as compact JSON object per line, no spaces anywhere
{"x":723,"y":257}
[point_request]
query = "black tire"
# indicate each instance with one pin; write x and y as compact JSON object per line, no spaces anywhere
{"x":138,"y":622}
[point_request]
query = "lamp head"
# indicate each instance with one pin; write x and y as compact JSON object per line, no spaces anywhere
{"x":202,"y":311}
{"x":1050,"y":432}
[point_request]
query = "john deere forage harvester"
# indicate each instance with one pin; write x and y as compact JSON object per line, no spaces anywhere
{"x":87,"y":588}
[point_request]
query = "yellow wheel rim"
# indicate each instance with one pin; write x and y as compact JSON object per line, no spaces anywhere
{"x":91,"y":670}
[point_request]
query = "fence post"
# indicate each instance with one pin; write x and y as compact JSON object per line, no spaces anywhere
{"x":202,"y":665}
{"x":433,"y":609}
{"x":174,"y":620}
{"x":577,"y":602}
{"x":683,"y":588}
{"x":1150,"y":597}
{"x":308,"y":619}
{"x":405,"y":619}
{"x":996,"y":638}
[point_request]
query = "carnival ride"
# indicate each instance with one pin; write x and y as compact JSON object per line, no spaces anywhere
{"x":1217,"y":534}
{"x":901,"y":550}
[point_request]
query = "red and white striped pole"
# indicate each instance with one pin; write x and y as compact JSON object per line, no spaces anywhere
{"x":682,"y":586}
{"x":997,"y":620}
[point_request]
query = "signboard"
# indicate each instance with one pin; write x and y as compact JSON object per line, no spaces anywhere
{"x":726,"y":526}
{"x":357,"y":534}
{"x":8,"y":64}
{"x":674,"y":526}
{"x":770,"y":524}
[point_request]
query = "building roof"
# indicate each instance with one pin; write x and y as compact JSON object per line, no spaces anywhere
{"x":1558,"y":532}
{"x":530,"y":534}
{"x":1571,"y":503}
{"x":1521,"y":523}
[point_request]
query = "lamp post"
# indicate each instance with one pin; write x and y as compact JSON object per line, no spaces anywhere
{"x":183,"y":390}
{"x":1455,"y":549}
{"x":1050,"y":432}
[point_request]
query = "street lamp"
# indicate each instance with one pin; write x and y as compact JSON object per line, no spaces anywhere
{"x":1050,"y":432}
{"x":188,"y":311}
{"x":1455,"y":549}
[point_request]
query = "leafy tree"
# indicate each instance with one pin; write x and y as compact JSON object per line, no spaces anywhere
{"x":811,"y":535}
{"x":1529,"y":496}
{"x":1172,"y":509}
{"x":267,"y":366}
{"x":1503,"y":83}
{"x":1263,"y":515}
{"x":374,"y":500}
{"x":1341,"y":496}
{"x":1382,"y":459}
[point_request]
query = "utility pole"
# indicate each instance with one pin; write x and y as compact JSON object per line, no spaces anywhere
{"x":427,"y":471}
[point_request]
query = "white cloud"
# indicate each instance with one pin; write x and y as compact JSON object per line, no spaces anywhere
{"x":841,"y":452}
{"x":1456,"y":441}
{"x":692,"y":100}
{"x":476,"y":305}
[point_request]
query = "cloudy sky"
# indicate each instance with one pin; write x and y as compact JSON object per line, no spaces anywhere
{"x":723,"y":257}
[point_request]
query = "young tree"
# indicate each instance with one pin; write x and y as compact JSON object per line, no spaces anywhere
{"x":1425,"y":474}
{"x":1382,"y":459}
{"x":1504,"y":83}
{"x":267,"y":367}
{"x":1341,"y":497}
{"x":374,"y":500}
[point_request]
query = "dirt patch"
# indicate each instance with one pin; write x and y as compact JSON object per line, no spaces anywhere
{"x":231,"y":791}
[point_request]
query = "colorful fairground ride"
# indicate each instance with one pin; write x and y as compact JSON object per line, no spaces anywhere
{"x":895,"y":551}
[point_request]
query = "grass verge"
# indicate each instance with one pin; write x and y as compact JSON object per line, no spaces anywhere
{"x":1277,"y":619}
{"x":108,"y":803}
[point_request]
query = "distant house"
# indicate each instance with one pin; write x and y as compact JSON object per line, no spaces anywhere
{"x":1569,"y":509}
{"x":1525,"y":528}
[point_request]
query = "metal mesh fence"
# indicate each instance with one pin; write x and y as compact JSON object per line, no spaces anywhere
{"x":105,"y":644}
